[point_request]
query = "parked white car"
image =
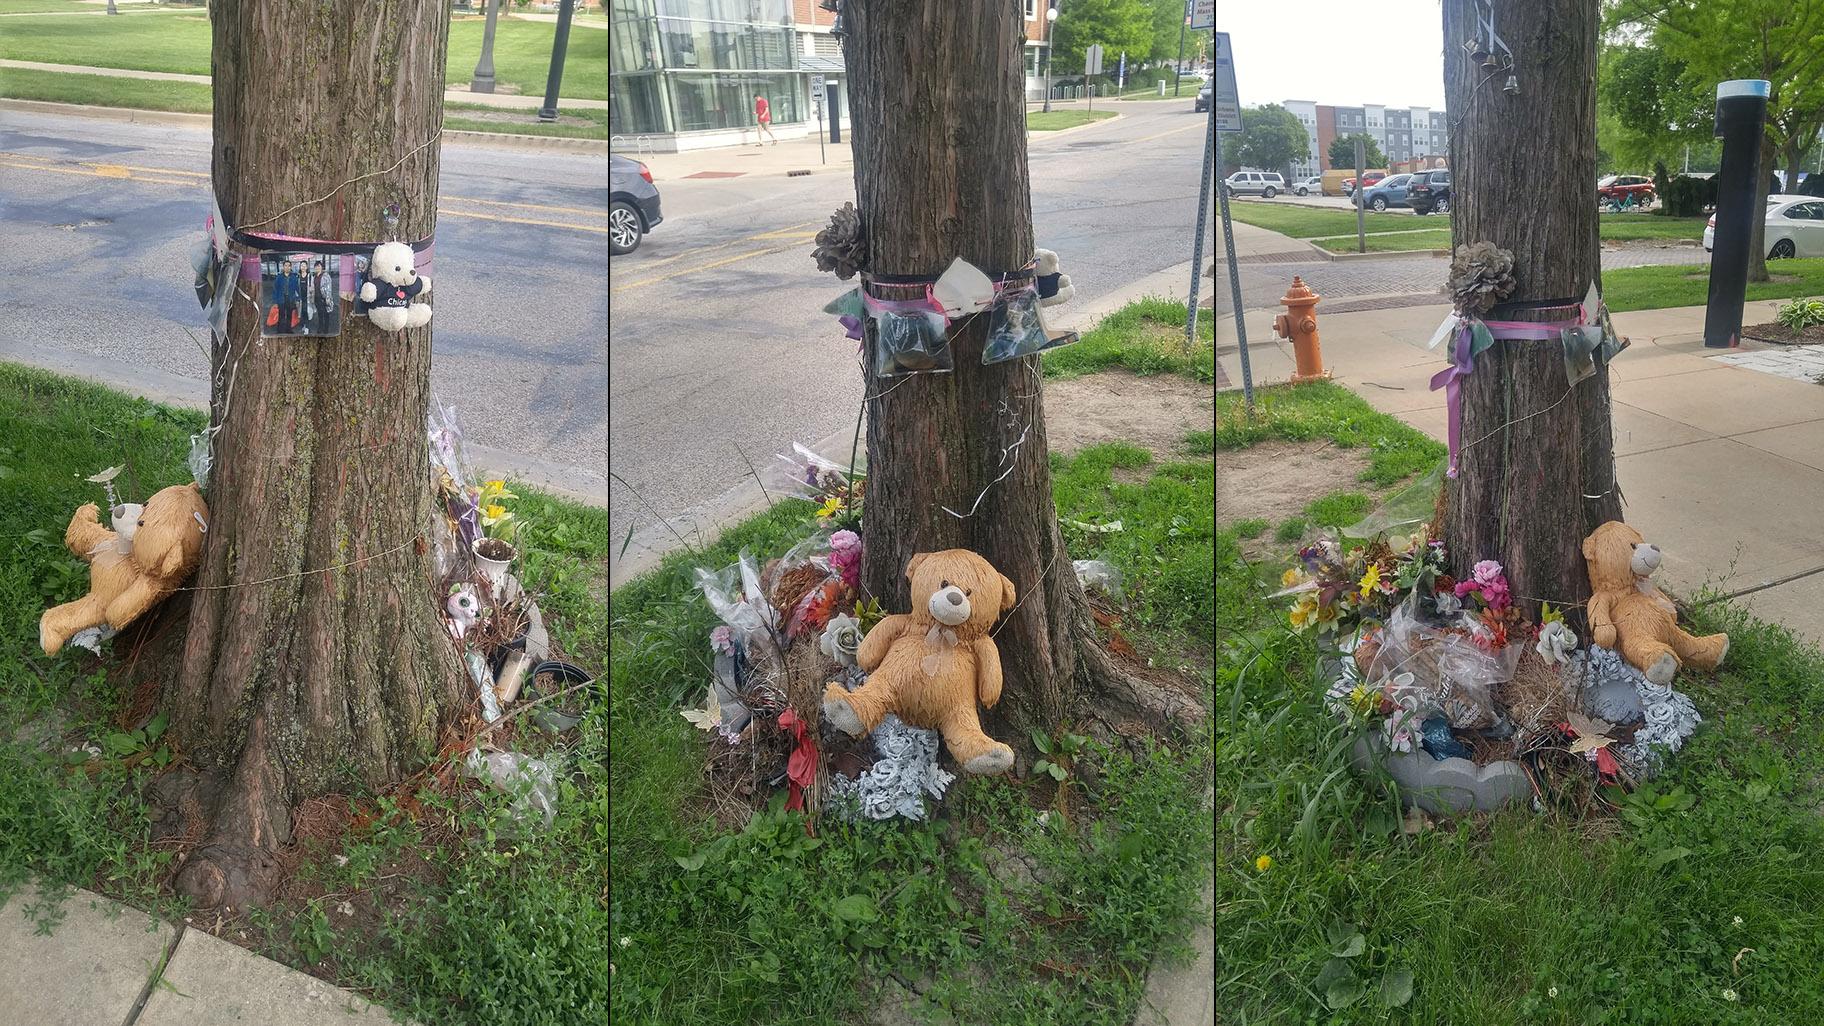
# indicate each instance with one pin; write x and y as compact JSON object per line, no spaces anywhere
{"x":1307,"y":186}
{"x":1795,"y":227}
{"x":1265,"y":184}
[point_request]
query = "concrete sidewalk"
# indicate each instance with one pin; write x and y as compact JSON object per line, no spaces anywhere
{"x":105,"y":963}
{"x":746,"y":160}
{"x":459,"y":94}
{"x":1719,"y":453}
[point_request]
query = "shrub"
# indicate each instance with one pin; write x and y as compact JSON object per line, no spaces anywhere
{"x":1686,"y":196}
{"x":1801,"y":313}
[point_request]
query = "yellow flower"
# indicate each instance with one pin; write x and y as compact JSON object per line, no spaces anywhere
{"x":1370,"y":579}
{"x":1290,"y":577}
{"x":1326,"y":618}
{"x":831,"y":507}
{"x":1364,"y":700}
{"x":1264,"y":863}
{"x":1304,"y":611}
{"x":489,"y":514}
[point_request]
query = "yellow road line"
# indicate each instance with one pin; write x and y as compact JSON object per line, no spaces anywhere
{"x":599,"y":230}
{"x":700,"y":267}
{"x":687,"y":254}
{"x":1169,"y":131}
{"x":598,"y":212}
{"x":109,"y":172}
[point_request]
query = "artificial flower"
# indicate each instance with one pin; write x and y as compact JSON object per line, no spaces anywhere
{"x":722,"y":640}
{"x":1549,"y":615}
{"x":1291,"y":577}
{"x":1326,"y":618}
{"x":1304,"y":611}
{"x":492,"y":514}
{"x":1371,"y":579}
{"x":1487,"y":572}
{"x":831,"y":506}
{"x":1364,"y":701}
{"x":841,"y":639}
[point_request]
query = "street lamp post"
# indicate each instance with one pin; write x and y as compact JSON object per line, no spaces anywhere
{"x":483,"y":82}
{"x":1051,"y":17}
{"x":1178,"y":69}
{"x":565,"y":10}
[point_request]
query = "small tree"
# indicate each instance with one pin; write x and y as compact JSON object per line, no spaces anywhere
{"x":1271,"y":138}
{"x":1342,"y":151}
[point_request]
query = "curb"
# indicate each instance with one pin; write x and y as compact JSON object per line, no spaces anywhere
{"x":133,"y":115}
{"x":1392,"y":253}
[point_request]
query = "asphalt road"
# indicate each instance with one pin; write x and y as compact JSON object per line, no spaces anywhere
{"x":99,"y":217}
{"x":720,"y":353}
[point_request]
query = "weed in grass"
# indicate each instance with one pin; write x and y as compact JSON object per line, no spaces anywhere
{"x":1339,"y":509}
{"x":1252,"y":528}
{"x":1291,"y":530}
{"x":1200,"y":443}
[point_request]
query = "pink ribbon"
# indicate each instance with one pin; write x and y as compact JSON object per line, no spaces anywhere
{"x":1462,"y":363}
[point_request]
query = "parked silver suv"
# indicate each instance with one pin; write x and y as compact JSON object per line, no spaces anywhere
{"x":1265,"y":184}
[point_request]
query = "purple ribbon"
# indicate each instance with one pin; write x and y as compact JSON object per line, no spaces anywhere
{"x":1463,"y":361}
{"x":852,"y":325}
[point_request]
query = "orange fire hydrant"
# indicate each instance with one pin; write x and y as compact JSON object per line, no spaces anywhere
{"x":1299,"y":325}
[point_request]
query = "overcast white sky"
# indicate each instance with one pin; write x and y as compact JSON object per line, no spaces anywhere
{"x":1343,"y":54}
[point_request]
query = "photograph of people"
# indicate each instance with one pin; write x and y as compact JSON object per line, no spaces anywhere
{"x":285,"y":295}
{"x":323,"y":289}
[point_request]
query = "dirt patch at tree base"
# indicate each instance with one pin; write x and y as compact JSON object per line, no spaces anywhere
{"x":1154,"y":412}
{"x":1275,"y":480}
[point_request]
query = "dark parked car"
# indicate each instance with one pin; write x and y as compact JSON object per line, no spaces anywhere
{"x":633,"y":204}
{"x":1429,"y":191}
{"x":1388,"y":192}
{"x":1203,"y":98}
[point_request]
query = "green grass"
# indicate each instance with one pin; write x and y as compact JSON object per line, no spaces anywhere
{"x":1324,"y":410}
{"x":475,"y":930}
{"x":753,"y":934}
{"x":1040,"y":121}
{"x":1146,"y":337}
{"x":1653,"y":288}
{"x":106,"y":91}
{"x":196,"y":98}
{"x":50,"y":7}
{"x":1291,"y":530}
{"x":1253,"y":528}
{"x":1517,"y":918}
{"x":574,"y":124}
{"x":1398,"y":242}
{"x":1301,"y":222}
{"x":180,"y":43}
{"x":1339,"y":509}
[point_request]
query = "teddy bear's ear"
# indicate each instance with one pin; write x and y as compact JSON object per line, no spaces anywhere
{"x":1589,"y":547}
{"x":913,"y":564}
{"x":1008,"y":597}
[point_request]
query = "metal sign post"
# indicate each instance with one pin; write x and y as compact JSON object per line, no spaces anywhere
{"x":817,"y":105}
{"x":1225,"y":116}
{"x":1361,"y":216}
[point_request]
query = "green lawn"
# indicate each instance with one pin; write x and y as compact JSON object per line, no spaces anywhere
{"x":1651,"y":288}
{"x":1698,"y":903}
{"x":1040,"y":121}
{"x":49,"y":6}
{"x":181,"y":42}
{"x":572,"y":123}
{"x":455,"y":924}
{"x":106,"y":91}
{"x":1146,"y":337}
{"x":1302,"y":222}
{"x":1391,"y":242}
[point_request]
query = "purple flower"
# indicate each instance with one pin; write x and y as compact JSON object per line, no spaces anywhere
{"x":1487,"y":572}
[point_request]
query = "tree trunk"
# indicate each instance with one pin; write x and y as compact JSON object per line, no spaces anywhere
{"x":315,"y":658}
{"x":1757,"y":246}
{"x":1793,"y":168}
{"x":1536,"y":472}
{"x":941,"y":172}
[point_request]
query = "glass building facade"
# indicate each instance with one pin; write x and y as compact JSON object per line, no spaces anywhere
{"x":696,"y":65}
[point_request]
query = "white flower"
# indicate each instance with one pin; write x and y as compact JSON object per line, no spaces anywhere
{"x":1728,"y":995}
{"x":626,"y":942}
{"x":1551,"y":992}
{"x":1738,"y":921}
{"x":841,"y":639}
{"x":1662,"y":718}
{"x":346,"y":908}
{"x":341,"y":860}
{"x":1449,"y":604}
{"x":1556,"y":643}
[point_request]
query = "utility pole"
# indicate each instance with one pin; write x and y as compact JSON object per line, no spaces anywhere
{"x":483,"y":81}
{"x":565,"y":10}
{"x":1178,"y":68}
{"x":1051,"y":20}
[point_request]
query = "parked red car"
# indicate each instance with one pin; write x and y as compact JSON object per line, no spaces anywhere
{"x":1618,"y":187}
{"x":1370,"y":178}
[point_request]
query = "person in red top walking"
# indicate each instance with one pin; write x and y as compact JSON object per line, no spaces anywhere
{"x":764,"y":115}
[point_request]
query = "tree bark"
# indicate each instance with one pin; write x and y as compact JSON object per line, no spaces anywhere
{"x":314,"y":658}
{"x":941,"y":172}
{"x":1757,"y":246}
{"x":1537,"y":468}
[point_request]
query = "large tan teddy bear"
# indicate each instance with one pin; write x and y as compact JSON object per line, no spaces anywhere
{"x":930,"y":666}
{"x":166,"y":544}
{"x":1630,"y":614}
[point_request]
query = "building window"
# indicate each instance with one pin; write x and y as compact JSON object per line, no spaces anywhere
{"x":1032,"y":10}
{"x":724,"y":46}
{"x":765,"y":12}
{"x":636,"y":105}
{"x":707,"y":101}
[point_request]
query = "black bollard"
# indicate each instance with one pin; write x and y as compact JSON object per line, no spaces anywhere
{"x":1741,"y":117}
{"x":565,"y":9}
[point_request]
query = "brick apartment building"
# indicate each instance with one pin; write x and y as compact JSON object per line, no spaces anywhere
{"x":1413,"y":137}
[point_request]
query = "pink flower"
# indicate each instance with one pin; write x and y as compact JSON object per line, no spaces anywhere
{"x":845,"y":556}
{"x":722,"y":639}
{"x":1466,"y":587}
{"x":1496,"y":595}
{"x":1487,"y":572}
{"x":845,"y":541}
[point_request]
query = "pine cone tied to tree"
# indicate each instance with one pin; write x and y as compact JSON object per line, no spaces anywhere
{"x":1481,"y":276}
{"x":842,"y":246}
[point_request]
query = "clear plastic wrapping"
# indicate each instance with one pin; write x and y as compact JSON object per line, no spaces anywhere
{"x":910,"y":336}
{"x":1016,"y":328}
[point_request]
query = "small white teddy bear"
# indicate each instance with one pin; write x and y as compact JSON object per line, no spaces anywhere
{"x":1054,"y":287}
{"x":392,"y":281}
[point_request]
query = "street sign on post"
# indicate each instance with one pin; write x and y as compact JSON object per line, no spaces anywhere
{"x":1225,"y":72}
{"x":1121,"y":76}
{"x":1228,"y":104}
{"x":817,"y":105}
{"x":1092,"y":65}
{"x":1203,"y":14}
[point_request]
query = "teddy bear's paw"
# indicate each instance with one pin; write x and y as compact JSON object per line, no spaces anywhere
{"x":998,"y":759}
{"x":1723,"y":653}
{"x":842,"y":716}
{"x":1663,"y":668}
{"x":48,"y":639}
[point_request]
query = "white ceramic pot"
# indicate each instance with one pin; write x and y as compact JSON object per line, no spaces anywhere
{"x":494,"y":570}
{"x":126,"y":521}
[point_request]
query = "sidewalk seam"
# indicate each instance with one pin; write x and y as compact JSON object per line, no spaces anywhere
{"x":158,"y":974}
